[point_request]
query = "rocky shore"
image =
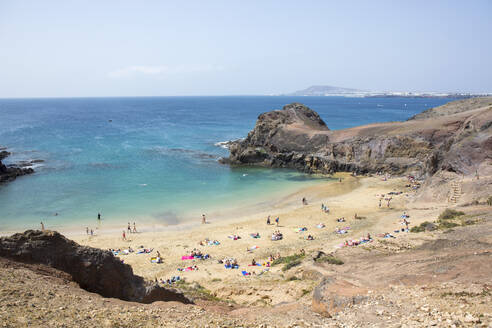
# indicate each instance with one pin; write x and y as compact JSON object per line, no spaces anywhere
{"x":11,"y":172}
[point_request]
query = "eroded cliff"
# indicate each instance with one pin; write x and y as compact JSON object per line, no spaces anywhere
{"x":296,"y":137}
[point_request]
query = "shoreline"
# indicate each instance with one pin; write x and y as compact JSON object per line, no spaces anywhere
{"x":353,"y":195}
{"x":218,"y":213}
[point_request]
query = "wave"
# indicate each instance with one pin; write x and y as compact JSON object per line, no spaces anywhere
{"x":227,"y":144}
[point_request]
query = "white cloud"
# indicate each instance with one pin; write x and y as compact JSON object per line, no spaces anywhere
{"x":161,"y":70}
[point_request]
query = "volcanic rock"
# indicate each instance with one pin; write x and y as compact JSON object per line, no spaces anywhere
{"x":95,"y":270}
{"x":9,"y":173}
{"x":296,"y":137}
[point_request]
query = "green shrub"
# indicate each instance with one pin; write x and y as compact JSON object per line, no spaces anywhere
{"x":449,"y":214}
{"x":305,"y":292}
{"x":422,"y":227}
{"x":291,"y":264}
{"x":447,"y":224}
{"x":288,"y":259}
{"x":330,"y":259}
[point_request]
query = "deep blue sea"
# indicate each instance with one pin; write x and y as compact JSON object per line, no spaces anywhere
{"x":152,"y":159}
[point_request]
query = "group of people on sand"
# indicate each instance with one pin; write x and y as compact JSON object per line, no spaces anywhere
{"x":89,"y":231}
{"x":208,"y":242}
{"x":197,"y":254}
{"x":230,"y":263}
{"x":342,"y":219}
{"x":129,"y":229}
{"x":362,"y":240}
{"x":277,"y":235}
{"x":169,"y":282}
{"x":277,"y":220}
{"x":325,"y":208}
{"x":387,"y":199}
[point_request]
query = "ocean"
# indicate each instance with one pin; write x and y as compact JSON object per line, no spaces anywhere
{"x":153,"y":159}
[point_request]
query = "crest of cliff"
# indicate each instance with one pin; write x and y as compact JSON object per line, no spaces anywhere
{"x":95,"y":270}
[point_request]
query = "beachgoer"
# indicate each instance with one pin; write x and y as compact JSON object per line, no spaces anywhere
{"x":204,"y":220}
{"x":253,"y":262}
{"x":355,"y":216}
{"x":340,"y":180}
{"x":134,"y":227}
{"x":92,"y":232}
{"x":99,"y":216}
{"x":129,"y":228}
{"x":87,"y":230}
{"x":268,"y":220}
{"x":124,"y":235}
{"x":277,"y":219}
{"x":380,"y":203}
{"x":42,"y":226}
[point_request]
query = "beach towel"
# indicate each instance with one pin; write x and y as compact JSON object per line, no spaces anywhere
{"x":257,"y":264}
{"x":155,"y":260}
{"x":253,"y":248}
{"x":187,"y":257}
{"x":144,"y":251}
{"x":245,"y":273}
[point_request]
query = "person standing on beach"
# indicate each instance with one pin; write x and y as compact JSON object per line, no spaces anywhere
{"x":92,"y":232}
{"x":268,"y":220}
{"x":124,"y":235}
{"x":204,"y":220}
{"x":129,"y":228}
{"x":99,"y":216}
{"x":42,"y":226}
{"x":87,"y":230}
{"x":134,"y":228}
{"x":277,"y":219}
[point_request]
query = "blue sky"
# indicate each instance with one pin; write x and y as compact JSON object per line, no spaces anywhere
{"x":161,"y":48}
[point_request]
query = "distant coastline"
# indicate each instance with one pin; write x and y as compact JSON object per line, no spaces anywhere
{"x":333,"y":91}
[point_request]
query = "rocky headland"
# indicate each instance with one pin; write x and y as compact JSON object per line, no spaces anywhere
{"x":453,"y":140}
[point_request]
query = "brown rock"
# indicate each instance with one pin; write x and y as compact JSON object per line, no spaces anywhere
{"x":93,"y":269}
{"x":333,"y":295}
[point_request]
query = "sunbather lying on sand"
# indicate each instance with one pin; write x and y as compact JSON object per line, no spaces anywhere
{"x":190,"y":268}
{"x":277,"y":235}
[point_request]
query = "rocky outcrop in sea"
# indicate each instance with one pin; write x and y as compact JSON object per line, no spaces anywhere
{"x":11,"y":172}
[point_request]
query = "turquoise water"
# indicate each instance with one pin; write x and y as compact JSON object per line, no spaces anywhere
{"x":152,"y":158}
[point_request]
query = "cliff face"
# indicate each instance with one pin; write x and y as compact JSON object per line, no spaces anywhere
{"x":296,"y":137}
{"x":93,"y":269}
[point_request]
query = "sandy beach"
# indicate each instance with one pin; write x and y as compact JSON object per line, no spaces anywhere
{"x":354,"y":195}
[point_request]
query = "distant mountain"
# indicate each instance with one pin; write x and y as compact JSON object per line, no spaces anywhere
{"x":327,"y":90}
